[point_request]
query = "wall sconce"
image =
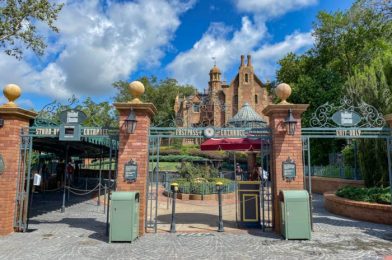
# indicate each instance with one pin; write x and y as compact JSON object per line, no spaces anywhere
{"x":290,"y":123}
{"x":1,"y":122}
{"x":131,"y":122}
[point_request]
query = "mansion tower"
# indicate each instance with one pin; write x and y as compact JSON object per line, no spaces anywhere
{"x":222,"y":101}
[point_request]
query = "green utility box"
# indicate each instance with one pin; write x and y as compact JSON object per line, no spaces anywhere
{"x":124,"y":216}
{"x":295,"y":214}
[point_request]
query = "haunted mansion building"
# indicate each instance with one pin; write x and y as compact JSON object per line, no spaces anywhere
{"x":241,"y":101}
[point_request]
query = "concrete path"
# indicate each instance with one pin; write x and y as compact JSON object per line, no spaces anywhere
{"x":79,"y":233}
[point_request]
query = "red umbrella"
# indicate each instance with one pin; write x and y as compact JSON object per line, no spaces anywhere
{"x":231,"y":144}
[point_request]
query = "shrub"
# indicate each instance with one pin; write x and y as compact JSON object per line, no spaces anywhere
{"x":374,"y":194}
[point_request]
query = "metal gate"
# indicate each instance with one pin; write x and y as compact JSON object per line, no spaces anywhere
{"x":23,"y":182}
{"x":155,"y":177}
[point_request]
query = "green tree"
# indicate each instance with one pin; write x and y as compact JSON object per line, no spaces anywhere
{"x":161,"y":93}
{"x":18,"y":24}
{"x":345,"y":43}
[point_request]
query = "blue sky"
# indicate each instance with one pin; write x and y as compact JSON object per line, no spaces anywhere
{"x":102,"y":41}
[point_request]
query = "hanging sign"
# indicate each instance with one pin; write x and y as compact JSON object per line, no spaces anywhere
{"x":2,"y":164}
{"x":289,"y":169}
{"x":130,"y":171}
{"x":346,"y":118}
{"x":72,"y":116}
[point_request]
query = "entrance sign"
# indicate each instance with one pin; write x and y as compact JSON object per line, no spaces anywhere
{"x":348,"y":132}
{"x":346,"y":118}
{"x":130,"y":171}
{"x":72,"y":116}
{"x":210,"y":132}
{"x":289,"y":169}
{"x":347,"y":115}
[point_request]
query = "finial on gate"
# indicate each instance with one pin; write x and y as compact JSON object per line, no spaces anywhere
{"x":136,"y":88}
{"x":283,"y":91}
{"x":11,"y":92}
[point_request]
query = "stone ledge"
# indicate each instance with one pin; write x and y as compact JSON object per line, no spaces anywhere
{"x":185,"y":197}
{"x":324,"y":184}
{"x":359,"y":210}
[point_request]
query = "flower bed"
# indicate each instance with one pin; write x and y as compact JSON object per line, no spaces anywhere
{"x":203,"y":189}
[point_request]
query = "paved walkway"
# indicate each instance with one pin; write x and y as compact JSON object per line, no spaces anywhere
{"x":79,"y":233}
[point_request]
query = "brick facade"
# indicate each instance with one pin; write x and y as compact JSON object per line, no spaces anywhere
{"x":224,"y":100}
{"x":283,"y":147}
{"x":135,"y":146}
{"x":14,"y":120}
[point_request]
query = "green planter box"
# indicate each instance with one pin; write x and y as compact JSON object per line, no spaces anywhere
{"x":295,"y":214}
{"x":124,"y":216}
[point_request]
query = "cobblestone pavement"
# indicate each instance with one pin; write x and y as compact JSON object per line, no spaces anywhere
{"x":79,"y":233}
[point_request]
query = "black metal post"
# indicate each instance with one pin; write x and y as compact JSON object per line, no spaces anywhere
{"x":220,"y":223}
{"x":174,"y":187}
{"x":65,"y":177}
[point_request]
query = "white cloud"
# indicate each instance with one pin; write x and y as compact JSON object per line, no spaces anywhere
{"x":97,"y":46}
{"x":192,"y":66}
{"x":271,"y":8}
{"x":265,"y":58}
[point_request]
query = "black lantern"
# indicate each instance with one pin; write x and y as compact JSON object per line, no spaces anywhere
{"x":130,"y":122}
{"x":290,"y":123}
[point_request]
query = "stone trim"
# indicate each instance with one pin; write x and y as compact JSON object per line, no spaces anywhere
{"x":277,"y":108}
{"x":324,"y":184}
{"x":149,"y":108}
{"x":17,"y":111}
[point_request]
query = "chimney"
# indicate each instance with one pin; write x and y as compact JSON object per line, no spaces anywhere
{"x":249,"y":60}
{"x":242,"y":61}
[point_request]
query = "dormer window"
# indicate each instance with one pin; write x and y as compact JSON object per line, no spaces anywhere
{"x":246,"y":78}
{"x":196,"y":108}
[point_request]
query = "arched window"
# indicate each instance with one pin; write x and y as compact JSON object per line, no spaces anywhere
{"x":246,"y":78}
{"x":256,"y":99}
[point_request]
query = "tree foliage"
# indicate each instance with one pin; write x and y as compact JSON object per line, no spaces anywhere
{"x":18,"y":24}
{"x":351,"y":56}
{"x":161,"y":93}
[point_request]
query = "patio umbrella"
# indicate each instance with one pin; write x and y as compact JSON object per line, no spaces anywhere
{"x":231,"y":144}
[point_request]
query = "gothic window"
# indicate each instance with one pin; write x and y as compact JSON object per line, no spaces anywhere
{"x":196,"y":108}
{"x":256,"y":99}
{"x":246,"y":77}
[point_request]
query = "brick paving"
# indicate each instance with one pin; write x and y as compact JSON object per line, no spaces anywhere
{"x":79,"y":233}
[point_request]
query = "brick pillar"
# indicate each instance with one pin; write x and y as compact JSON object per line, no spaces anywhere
{"x":388,"y":119}
{"x":284,"y":146}
{"x":14,"y":119}
{"x":135,"y":146}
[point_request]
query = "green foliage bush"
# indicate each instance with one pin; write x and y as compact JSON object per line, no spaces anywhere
{"x":192,"y":172}
{"x":374,"y":195}
{"x":204,"y":186}
{"x":177,"y":158}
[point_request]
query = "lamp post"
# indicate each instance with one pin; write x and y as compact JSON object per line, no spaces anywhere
{"x":131,"y":122}
{"x":174,"y":188}
{"x":290,"y":123}
{"x":219,"y":187}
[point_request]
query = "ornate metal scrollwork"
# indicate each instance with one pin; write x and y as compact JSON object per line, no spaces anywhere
{"x":368,"y":115}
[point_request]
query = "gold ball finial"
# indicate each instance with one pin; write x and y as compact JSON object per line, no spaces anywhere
{"x":11,"y":92}
{"x":136,"y":88}
{"x":283,"y":91}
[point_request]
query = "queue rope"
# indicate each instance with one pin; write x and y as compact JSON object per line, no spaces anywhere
{"x":72,"y":190}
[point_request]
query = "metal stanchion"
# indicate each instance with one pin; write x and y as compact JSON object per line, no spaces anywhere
{"x":174,"y":187}
{"x":219,"y":186}
{"x":104,"y":199}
